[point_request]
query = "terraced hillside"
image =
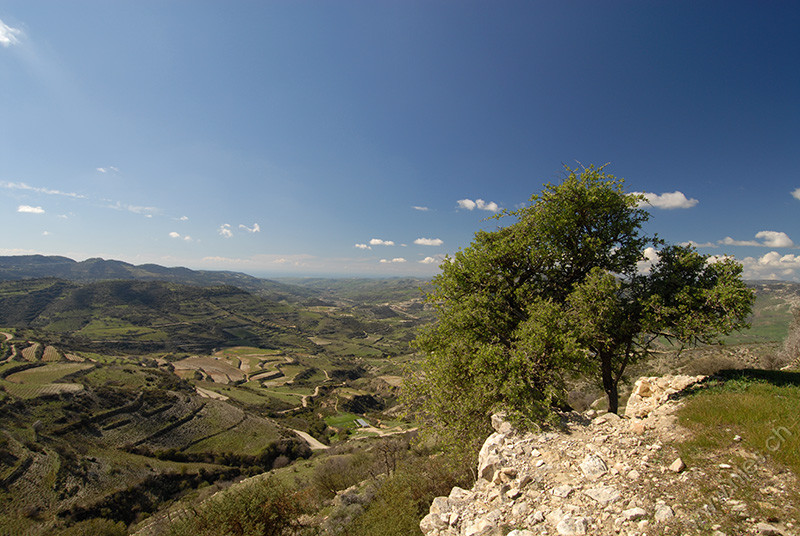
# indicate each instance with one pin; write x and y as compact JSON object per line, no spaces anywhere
{"x":90,"y":439}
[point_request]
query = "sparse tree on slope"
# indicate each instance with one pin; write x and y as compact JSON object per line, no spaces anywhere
{"x":560,"y":291}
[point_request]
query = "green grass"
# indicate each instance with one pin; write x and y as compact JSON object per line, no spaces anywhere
{"x":47,"y":373}
{"x":762,"y":407}
{"x":110,"y":328}
{"x":342,"y":420}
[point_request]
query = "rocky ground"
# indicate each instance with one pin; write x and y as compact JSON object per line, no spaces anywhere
{"x":609,"y":475}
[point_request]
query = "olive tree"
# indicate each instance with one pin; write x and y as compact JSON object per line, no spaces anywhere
{"x":562,"y":291}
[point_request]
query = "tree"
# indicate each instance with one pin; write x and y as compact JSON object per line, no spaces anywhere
{"x":561,"y":291}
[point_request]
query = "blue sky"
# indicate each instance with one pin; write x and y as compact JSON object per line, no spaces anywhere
{"x":373,"y":138}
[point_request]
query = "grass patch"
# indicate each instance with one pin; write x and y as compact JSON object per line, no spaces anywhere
{"x":762,"y":407}
{"x":745,"y":429}
{"x":342,"y":420}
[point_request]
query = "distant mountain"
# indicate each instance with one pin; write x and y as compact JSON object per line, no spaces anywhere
{"x":139,"y":316}
{"x":91,"y":270}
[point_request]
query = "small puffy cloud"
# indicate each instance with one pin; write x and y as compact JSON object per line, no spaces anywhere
{"x":184,"y":218}
{"x":429,"y":241}
{"x":796,"y":193}
{"x":426,"y":209}
{"x":225,"y":230}
{"x":380,"y":242}
{"x":769,"y":239}
{"x":396,"y":260}
{"x":109,"y":169}
{"x":363,"y":246}
{"x":254,"y":229}
{"x":651,"y":257}
{"x":667,"y":201}
{"x":175,"y":235}
{"x":775,"y":239}
{"x":30,"y":210}
{"x":480,"y":204}
{"x":46,"y":233}
{"x":8,"y":35}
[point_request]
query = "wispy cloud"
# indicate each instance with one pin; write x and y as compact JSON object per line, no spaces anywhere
{"x":667,"y":201}
{"x":429,"y":241}
{"x":769,"y":239}
{"x":480,"y":204}
{"x":254,"y":229}
{"x":380,"y":242}
{"x":396,"y":260}
{"x":699,"y":244}
{"x":38,"y":189}
{"x":109,"y":169}
{"x":426,"y":209}
{"x":30,"y":210}
{"x":225,"y":230}
{"x":136,"y":209}
{"x":363,"y":246}
{"x":9,"y":35}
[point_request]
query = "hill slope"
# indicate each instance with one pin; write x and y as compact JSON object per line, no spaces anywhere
{"x":90,"y":270}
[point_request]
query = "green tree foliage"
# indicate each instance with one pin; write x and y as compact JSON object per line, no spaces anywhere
{"x":562,"y":291}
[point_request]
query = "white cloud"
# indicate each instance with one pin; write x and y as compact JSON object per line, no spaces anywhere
{"x":379,"y":242}
{"x":8,"y":35}
{"x":37,"y":189}
{"x":436,"y":259}
{"x":426,"y":209}
{"x":46,"y":233}
{"x":796,"y":193}
{"x":30,"y":210}
{"x":699,"y":245}
{"x":254,"y":229}
{"x":136,"y":209}
{"x":770,"y":239}
{"x":396,"y":260}
{"x":775,"y":239}
{"x":771,"y":265}
{"x":651,"y":257}
{"x":108,"y":169}
{"x":429,"y":241}
{"x":173,"y":234}
{"x":728,"y":241}
{"x":225,"y":230}
{"x":480,"y":204}
{"x":363,"y":246}
{"x":668,"y":201}
{"x":184,"y":218}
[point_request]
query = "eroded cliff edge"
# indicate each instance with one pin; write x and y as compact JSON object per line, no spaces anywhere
{"x":609,"y":475}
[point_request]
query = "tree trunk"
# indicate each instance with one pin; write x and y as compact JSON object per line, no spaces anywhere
{"x":609,"y":384}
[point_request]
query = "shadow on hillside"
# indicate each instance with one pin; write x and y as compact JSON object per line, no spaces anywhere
{"x":775,"y":377}
{"x":779,"y":378}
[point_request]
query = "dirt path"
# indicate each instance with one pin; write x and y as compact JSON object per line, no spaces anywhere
{"x":313,"y":443}
{"x":207,"y":393}
{"x":8,"y":336}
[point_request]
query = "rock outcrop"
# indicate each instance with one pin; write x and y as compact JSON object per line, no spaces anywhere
{"x":600,"y":475}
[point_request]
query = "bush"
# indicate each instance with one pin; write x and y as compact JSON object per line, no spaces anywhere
{"x":264,"y":508}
